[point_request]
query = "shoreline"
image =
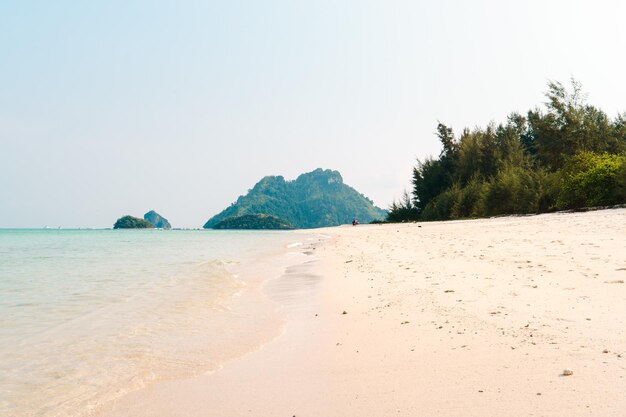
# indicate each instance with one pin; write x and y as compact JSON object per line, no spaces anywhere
{"x":473,"y":317}
{"x":250,"y":319}
{"x":96,"y":314}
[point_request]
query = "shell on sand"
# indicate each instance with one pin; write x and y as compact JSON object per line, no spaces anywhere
{"x":567,"y":372}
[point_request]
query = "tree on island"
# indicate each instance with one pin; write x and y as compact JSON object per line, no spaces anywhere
{"x":569,"y":156}
{"x":254,"y":221}
{"x":130,"y":222}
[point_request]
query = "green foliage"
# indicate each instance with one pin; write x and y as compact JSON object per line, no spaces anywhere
{"x":253,"y":221}
{"x":591,"y":179}
{"x":430,"y":178}
{"x":403,"y":211}
{"x":477,"y":156}
{"x":510,"y":140}
{"x":621,"y":183}
{"x":549,"y":189}
{"x":440,"y":207}
{"x":513,"y":190}
{"x":469,"y":200}
{"x":130,"y":222}
{"x":315,"y":199}
{"x":571,"y":126}
{"x":448,"y":143}
{"x":571,"y":155}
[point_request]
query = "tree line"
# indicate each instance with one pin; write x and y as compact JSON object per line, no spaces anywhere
{"x":567,"y":156}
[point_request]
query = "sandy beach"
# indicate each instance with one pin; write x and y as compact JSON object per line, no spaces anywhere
{"x":460,"y":318}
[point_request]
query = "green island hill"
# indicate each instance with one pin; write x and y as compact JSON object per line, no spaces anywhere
{"x":314,"y":199}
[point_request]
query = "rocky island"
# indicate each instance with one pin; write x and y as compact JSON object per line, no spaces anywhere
{"x":157,"y":220}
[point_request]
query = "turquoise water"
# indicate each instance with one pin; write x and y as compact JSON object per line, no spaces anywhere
{"x":88,"y":315}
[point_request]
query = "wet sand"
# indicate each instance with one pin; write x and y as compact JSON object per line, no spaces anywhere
{"x":472,"y":318}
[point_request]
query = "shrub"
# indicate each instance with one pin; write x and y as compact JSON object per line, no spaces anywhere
{"x":402,"y":211}
{"x":549,"y":184}
{"x":440,"y":208}
{"x":512,"y":190}
{"x":621,"y":184}
{"x":590,"y":179}
{"x":470,"y":199}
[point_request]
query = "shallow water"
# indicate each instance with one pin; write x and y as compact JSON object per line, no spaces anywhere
{"x":88,"y":315}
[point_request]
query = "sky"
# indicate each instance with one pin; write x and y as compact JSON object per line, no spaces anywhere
{"x":110,"y":108}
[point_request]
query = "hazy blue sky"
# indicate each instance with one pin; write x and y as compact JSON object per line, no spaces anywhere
{"x":118,"y":107}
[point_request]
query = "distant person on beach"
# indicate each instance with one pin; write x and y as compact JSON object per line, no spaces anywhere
{"x":355,"y":222}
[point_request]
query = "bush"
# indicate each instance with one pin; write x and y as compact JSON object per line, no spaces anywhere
{"x":513,"y":190}
{"x":549,"y":184}
{"x":440,"y":208}
{"x":470,"y":200}
{"x":621,"y":183}
{"x":403,"y":211}
{"x":590,"y":179}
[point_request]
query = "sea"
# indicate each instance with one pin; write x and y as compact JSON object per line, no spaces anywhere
{"x":87,"y":316}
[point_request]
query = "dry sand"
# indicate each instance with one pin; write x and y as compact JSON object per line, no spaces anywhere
{"x":463,"y":318}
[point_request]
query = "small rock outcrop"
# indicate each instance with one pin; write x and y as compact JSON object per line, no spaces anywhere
{"x":157,"y":220}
